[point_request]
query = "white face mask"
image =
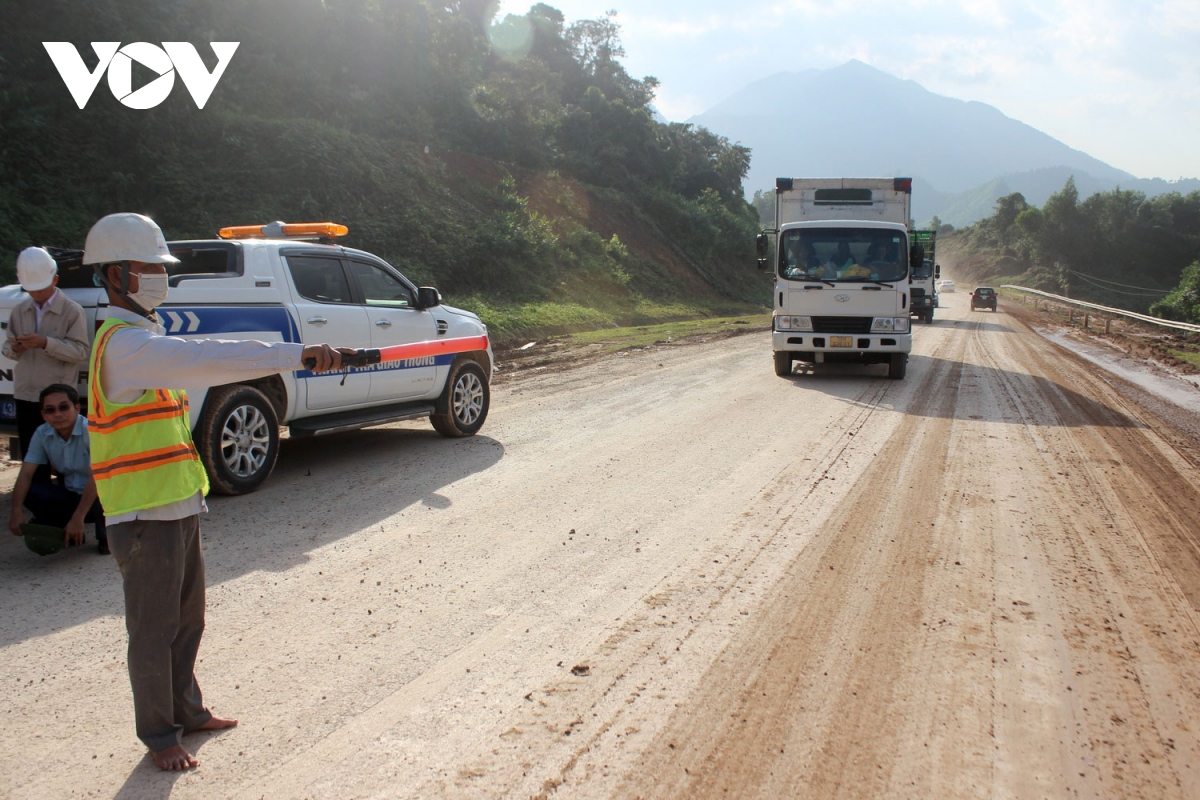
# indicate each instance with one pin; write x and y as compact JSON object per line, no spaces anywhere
{"x":152,"y":291}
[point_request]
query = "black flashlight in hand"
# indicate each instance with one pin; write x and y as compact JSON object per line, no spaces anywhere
{"x":359,"y":358}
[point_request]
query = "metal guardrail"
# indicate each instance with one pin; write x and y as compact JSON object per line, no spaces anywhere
{"x":1166,"y":323}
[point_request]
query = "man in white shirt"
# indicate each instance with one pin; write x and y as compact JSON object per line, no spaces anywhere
{"x":47,"y":337}
{"x":149,"y":476}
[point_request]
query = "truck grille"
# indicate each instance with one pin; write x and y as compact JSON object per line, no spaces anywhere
{"x":841,"y":324}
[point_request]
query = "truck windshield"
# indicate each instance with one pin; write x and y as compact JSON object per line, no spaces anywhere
{"x":843,"y":254}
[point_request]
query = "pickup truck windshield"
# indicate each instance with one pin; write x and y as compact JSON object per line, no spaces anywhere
{"x":843,"y":254}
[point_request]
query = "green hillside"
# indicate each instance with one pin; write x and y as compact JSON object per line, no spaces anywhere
{"x":513,"y":164}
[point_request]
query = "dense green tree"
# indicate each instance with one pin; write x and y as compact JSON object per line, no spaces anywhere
{"x":343,"y":109}
{"x":1183,"y":303}
{"x":764,"y":203}
{"x":1007,"y":210}
{"x":1116,"y":248}
{"x":936,"y":224}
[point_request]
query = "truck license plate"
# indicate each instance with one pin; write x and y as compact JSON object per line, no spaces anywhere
{"x":841,"y":341}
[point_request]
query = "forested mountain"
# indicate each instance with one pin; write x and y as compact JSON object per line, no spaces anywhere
{"x":1116,"y":248}
{"x":512,"y":161}
{"x":857,"y":120}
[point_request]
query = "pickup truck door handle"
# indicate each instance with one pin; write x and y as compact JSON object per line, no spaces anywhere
{"x":317,"y":320}
{"x":383,"y":323}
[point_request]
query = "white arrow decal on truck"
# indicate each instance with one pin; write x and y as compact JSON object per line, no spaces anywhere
{"x":175,"y":321}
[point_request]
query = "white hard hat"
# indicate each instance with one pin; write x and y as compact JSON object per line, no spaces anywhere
{"x":36,"y":269}
{"x":126,"y":237}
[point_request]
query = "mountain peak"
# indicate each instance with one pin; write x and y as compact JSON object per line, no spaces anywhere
{"x":856,"y":67}
{"x":856,"y":119}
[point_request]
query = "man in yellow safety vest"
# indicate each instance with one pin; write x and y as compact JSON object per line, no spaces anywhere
{"x":149,"y":476}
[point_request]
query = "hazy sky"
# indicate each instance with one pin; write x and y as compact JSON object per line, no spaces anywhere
{"x":1117,"y":80}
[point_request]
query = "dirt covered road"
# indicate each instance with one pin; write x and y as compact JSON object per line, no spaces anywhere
{"x":670,"y":573}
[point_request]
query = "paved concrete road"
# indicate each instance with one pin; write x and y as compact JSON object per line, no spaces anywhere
{"x":673,"y":574}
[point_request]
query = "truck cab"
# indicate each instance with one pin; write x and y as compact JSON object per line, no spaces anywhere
{"x":842,"y":263}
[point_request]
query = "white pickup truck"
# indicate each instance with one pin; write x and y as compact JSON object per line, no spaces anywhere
{"x":293,"y":283}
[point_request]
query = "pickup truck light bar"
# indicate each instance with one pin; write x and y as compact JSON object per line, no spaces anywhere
{"x":284,"y":230}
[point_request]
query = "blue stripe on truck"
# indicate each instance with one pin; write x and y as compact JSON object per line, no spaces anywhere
{"x":216,"y":320}
{"x":444,"y":360}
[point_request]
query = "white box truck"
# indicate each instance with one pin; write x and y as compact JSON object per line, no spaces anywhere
{"x":842,"y":262}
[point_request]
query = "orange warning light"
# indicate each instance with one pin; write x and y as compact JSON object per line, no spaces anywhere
{"x":284,"y":230}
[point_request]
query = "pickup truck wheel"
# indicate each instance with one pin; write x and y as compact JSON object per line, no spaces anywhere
{"x":238,"y":439}
{"x":897,"y":366}
{"x":783,"y":363}
{"x":464,"y":403}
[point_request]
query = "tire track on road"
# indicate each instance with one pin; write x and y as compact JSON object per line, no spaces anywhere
{"x":1128,"y":509}
{"x":598,"y":712}
{"x":800,"y":703}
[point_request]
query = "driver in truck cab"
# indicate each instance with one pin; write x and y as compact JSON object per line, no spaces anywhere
{"x":149,"y":476}
{"x":801,"y":259}
{"x":877,"y":253}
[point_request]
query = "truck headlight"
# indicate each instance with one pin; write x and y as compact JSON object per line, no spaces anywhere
{"x":791,"y":323}
{"x":890,"y":325}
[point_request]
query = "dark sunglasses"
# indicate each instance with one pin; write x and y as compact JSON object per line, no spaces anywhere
{"x":60,"y":408}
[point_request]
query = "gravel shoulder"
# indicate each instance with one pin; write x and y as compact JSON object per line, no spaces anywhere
{"x":670,"y":573}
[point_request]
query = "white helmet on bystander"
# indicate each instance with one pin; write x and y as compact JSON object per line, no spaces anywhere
{"x":36,"y":269}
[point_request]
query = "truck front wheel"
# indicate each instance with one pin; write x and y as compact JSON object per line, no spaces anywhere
{"x":783,"y":363}
{"x":897,"y":366}
{"x":464,"y":403}
{"x":238,"y":439}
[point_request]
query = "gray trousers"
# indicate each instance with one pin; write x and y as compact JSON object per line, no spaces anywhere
{"x":163,"y":575}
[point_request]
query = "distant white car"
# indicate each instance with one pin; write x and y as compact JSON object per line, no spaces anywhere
{"x":945,"y":286}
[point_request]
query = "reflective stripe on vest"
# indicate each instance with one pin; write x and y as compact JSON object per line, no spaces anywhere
{"x":142,"y":452}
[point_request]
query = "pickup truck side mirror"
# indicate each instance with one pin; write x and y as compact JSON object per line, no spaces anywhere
{"x":763,"y":245}
{"x":916,"y":256}
{"x":428,"y":297}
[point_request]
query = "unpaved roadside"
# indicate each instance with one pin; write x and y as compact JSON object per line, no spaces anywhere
{"x":670,"y":573}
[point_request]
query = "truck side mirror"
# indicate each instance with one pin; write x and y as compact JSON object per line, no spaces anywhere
{"x":428,"y":297}
{"x":916,"y":256}
{"x":763,"y":245}
{"x":937,"y":270}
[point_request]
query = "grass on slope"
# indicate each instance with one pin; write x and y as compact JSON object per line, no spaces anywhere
{"x":516,"y":324}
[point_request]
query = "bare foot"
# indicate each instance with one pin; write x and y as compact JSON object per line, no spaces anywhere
{"x":218,"y":724}
{"x":174,"y":759}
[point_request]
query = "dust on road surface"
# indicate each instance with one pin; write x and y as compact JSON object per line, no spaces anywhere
{"x":673,"y":574}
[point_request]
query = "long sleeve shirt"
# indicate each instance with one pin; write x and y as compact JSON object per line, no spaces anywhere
{"x":141,"y":356}
{"x":64,"y":325}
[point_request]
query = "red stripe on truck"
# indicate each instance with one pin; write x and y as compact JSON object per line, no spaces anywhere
{"x":437,"y":347}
